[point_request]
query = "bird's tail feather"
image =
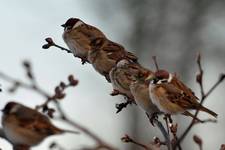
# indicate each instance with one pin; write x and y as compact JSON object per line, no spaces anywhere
{"x":61,"y":131}
{"x":209,"y":111}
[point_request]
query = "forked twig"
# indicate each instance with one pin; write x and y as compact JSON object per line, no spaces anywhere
{"x":203,"y":98}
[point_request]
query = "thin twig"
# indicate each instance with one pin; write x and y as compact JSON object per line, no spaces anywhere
{"x":204,"y":96}
{"x":156,"y":122}
{"x":128,"y":139}
{"x":199,"y":77}
{"x":155,"y":62}
{"x":62,"y":48}
{"x":35,"y":88}
{"x":50,"y":43}
{"x":197,"y":111}
{"x":168,"y":130}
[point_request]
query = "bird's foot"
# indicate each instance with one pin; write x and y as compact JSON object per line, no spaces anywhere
{"x":152,"y":118}
{"x":83,"y":61}
{"x":167,"y":117}
{"x":107,"y":77}
{"x":115,"y":92}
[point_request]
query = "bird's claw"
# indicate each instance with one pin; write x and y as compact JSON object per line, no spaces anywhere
{"x":115,"y":92}
{"x":83,"y":61}
{"x":152,"y":118}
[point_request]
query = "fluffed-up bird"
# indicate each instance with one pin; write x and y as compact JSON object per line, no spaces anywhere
{"x":123,"y":74}
{"x":78,"y":36}
{"x":140,"y":91}
{"x":105,"y":54}
{"x":25,"y":126}
{"x":171,"y":96}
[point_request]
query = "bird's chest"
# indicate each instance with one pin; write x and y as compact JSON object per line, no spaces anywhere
{"x":141,"y":95}
{"x":12,"y":134}
{"x":78,"y":45}
{"x":17,"y":135}
{"x":157,"y":96}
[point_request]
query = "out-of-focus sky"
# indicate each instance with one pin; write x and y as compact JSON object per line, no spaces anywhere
{"x":25,"y":24}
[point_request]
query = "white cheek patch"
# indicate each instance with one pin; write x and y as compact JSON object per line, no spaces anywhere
{"x":170,"y":78}
{"x":79,"y":23}
{"x":166,"y":80}
{"x":15,"y":109}
{"x":159,"y":82}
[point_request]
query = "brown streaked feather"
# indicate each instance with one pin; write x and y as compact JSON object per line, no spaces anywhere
{"x":113,"y":50}
{"x":91,"y":31}
{"x":179,"y":97}
{"x":117,"y":52}
{"x":36,"y":122}
{"x":175,"y":81}
{"x":84,"y":35}
{"x":182,"y":99}
{"x":131,"y":56}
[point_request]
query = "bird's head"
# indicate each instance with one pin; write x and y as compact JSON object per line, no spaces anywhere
{"x":10,"y":107}
{"x":160,"y":76}
{"x":72,"y":23}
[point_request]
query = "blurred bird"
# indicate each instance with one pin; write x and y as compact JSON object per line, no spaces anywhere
{"x":25,"y":126}
{"x":140,"y":91}
{"x":105,"y":54}
{"x":123,"y":74}
{"x":78,"y":36}
{"x":171,"y":96}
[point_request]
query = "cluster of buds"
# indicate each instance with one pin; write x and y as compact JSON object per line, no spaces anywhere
{"x":49,"y":43}
{"x":59,"y":94}
{"x":59,"y":90}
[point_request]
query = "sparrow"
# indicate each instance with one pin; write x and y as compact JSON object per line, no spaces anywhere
{"x":171,"y":96}
{"x":122,"y":75}
{"x":78,"y":36}
{"x":140,"y":91}
{"x":25,"y":126}
{"x":105,"y":54}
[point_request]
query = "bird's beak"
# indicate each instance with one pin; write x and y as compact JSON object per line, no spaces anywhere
{"x":150,"y":77}
{"x":63,"y":25}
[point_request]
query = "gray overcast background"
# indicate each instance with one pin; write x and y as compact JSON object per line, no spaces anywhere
{"x":173,"y":30}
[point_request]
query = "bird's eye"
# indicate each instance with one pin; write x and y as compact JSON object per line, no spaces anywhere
{"x":154,"y":81}
{"x":68,"y":28}
{"x":163,"y":81}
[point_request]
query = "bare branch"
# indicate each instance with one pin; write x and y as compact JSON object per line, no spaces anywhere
{"x":50,"y":43}
{"x":203,"y":98}
{"x":155,"y":62}
{"x":127,"y":139}
{"x":54,"y":98}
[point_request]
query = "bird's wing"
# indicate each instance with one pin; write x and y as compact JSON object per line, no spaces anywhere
{"x":91,"y":32}
{"x":183,"y":87}
{"x":115,"y":51}
{"x":178,"y":96}
{"x":36,"y":121}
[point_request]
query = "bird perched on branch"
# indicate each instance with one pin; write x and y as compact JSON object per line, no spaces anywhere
{"x":140,"y":91}
{"x":171,"y":96}
{"x":105,"y":54}
{"x":78,"y":36}
{"x":123,"y":74}
{"x":25,"y":126}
